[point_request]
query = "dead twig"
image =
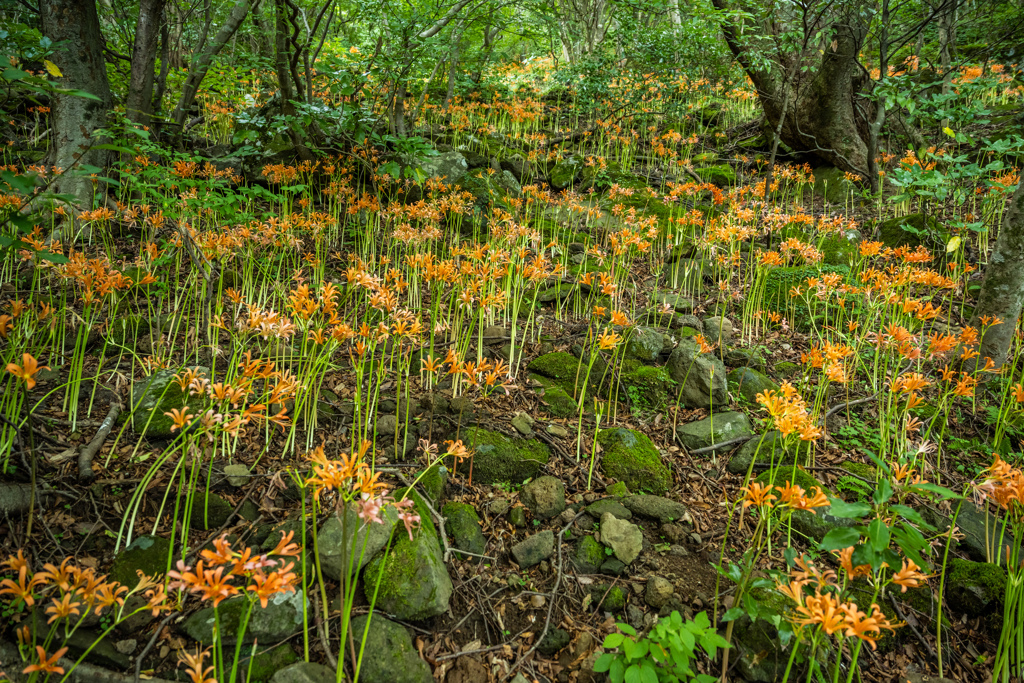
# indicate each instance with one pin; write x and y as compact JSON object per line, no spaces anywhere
{"x":85,"y":458}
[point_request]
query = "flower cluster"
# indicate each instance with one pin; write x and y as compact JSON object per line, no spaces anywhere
{"x":790,"y":496}
{"x":789,"y":412}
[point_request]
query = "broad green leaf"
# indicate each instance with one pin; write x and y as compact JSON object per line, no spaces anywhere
{"x":837,"y":539}
{"x":733,"y":614}
{"x":844,"y":510}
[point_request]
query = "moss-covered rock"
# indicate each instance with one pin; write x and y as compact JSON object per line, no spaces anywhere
{"x":631,"y":457}
{"x":462,"y":522}
{"x":720,"y":175}
{"x":566,"y":172}
{"x":912,"y":231}
{"x":975,"y":588}
{"x":158,"y":394}
{"x":831,"y":183}
{"x":589,"y":555}
{"x":554,"y":397}
{"x":813,"y":525}
{"x":498,"y":458}
{"x":148,"y":554}
{"x":432,"y":483}
{"x":125,"y":330}
{"x":838,"y":250}
{"x":771,"y":448}
{"x":702,"y":376}
{"x":713,"y":429}
{"x":414,"y":582}
{"x":645,"y":344}
{"x":564,"y":368}
{"x":649,"y":388}
{"x":607,"y":598}
{"x":749,"y":383}
{"x":262,"y":667}
{"x":281,"y":618}
{"x":389,"y":654}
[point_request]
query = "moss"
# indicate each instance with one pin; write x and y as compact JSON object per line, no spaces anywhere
{"x":911,"y":231}
{"x":560,"y":366}
{"x":590,"y":555}
{"x":433,"y":481}
{"x":796,"y":475}
{"x":837,"y":250}
{"x":631,"y":457}
{"x":787,"y":370}
{"x":146,"y":553}
{"x":265,"y":664}
{"x":554,"y":397}
{"x":649,"y":388}
{"x":617,"y":489}
{"x":609,"y":599}
{"x":721,"y":175}
{"x":498,"y":458}
{"x":780,"y":282}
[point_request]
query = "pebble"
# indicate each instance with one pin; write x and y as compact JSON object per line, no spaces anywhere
{"x":126,"y":646}
{"x":557,"y":431}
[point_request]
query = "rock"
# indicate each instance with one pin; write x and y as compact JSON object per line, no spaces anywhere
{"x":742,"y":358}
{"x":648,"y":388}
{"x":608,"y":598}
{"x":678,"y":302}
{"x":756,"y":647}
{"x":237,"y":475}
{"x":388,"y":653}
{"x":770,"y":448}
{"x":565,"y":172}
{"x":209,"y":511}
{"x":544,"y":496}
{"x":975,"y":589}
{"x":750,"y":383}
{"x":462,"y":522}
{"x":555,"y":398}
{"x":831,"y":183}
{"x":659,"y":508}
{"x":498,"y":506}
{"x":625,"y":539}
{"x":613,"y":566}
{"x":560,"y":366}
{"x":589,"y":555}
{"x":433,"y":482}
{"x":618,"y":489}
{"x":631,"y":457}
{"x":517,"y":516}
{"x":448,"y":167}
{"x":712,"y":430}
{"x":281,"y":618}
{"x":519,"y":167}
{"x":534,"y":549}
{"x":609,"y":506}
{"x":523,"y":423}
{"x":813,"y":525}
{"x":702,"y":376}
{"x":645,"y":344}
{"x":497,"y":458}
{"x":160,"y":393}
{"x":336,"y":546}
{"x":304,"y":672}
{"x":975,"y":524}
{"x":659,"y":592}
{"x":555,"y":640}
{"x":467,"y":669}
{"x":126,"y":646}
{"x":147,"y":554}
{"x":718,"y":330}
{"x":414,"y":582}
{"x":720,"y":175}
{"x":387,"y":425}
{"x":675,"y":533}
{"x":262,"y":667}
{"x":557,"y":431}
{"x":913,"y":230}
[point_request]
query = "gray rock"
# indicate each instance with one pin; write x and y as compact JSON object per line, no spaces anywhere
{"x":557,"y":431}
{"x":544,"y":496}
{"x":462,"y":522}
{"x":718,"y":330}
{"x":158,"y":394}
{"x":517,"y":516}
{"x":535,"y":549}
{"x":712,"y":430}
{"x":447,"y":166}
{"x":678,"y":302}
{"x":304,"y":672}
{"x":281,"y":618}
{"x":610,"y":506}
{"x":387,"y":425}
{"x":498,"y":506}
{"x":613,"y":566}
{"x":147,"y":554}
{"x":625,"y":539}
{"x":702,"y":376}
{"x":975,"y":588}
{"x":659,"y":508}
{"x":209,"y":511}
{"x":388,"y":654}
{"x":659,"y":592}
{"x":237,"y":475}
{"x":336,"y":542}
{"x":497,"y":458}
{"x":565,"y":172}
{"x":523,"y":423}
{"x":589,"y":555}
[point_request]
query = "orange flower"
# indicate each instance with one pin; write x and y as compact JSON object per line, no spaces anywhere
{"x":909,"y":576}
{"x":46,"y":664}
{"x":27,"y":370}
{"x":194,"y":665}
{"x":846,"y":562}
{"x":757,"y":494}
{"x":180,"y":417}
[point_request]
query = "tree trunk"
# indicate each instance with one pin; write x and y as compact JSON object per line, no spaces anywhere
{"x":1002,"y":290}
{"x":820,"y":114}
{"x":201,"y":63}
{"x":139,"y":101}
{"x":74,"y":26}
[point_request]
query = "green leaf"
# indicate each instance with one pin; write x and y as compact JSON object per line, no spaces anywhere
{"x":733,"y":614}
{"x":613,"y":640}
{"x":878,"y":534}
{"x":604,"y":662}
{"x":940,"y":491}
{"x":883,"y":492}
{"x":648,"y":674}
{"x":617,"y":671}
{"x":908,"y":513}
{"x":837,"y":539}
{"x":844,"y":510}
{"x":633,"y":674}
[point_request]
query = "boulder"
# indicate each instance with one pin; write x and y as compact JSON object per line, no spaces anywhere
{"x":749,"y":383}
{"x":712,"y":430}
{"x":645,"y":344}
{"x":975,"y":589}
{"x":448,"y":167}
{"x":720,"y":175}
{"x":498,"y":458}
{"x":304,"y":672}
{"x":388,"y":653}
{"x":148,"y":554}
{"x":718,"y":330}
{"x":913,"y":230}
{"x":831,"y":183}
{"x":598,"y":508}
{"x":589,"y":555}
{"x":281,"y":618}
{"x":658,"y":507}
{"x":544,"y":496}
{"x":702,"y":376}
{"x":659,"y":592}
{"x":624,"y":538}
{"x":772,"y":448}
{"x":565,"y":172}
{"x":631,"y":457}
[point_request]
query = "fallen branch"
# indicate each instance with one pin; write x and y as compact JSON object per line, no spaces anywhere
{"x":721,"y":445}
{"x":85,"y":458}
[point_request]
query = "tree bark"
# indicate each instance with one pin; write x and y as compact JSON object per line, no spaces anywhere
{"x":1002,"y":290}
{"x":201,"y":63}
{"x":819,"y":116}
{"x":74,"y":26}
{"x":139,"y":101}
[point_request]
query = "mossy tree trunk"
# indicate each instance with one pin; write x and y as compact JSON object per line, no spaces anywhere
{"x":73,"y":25}
{"x":1002,"y":290}
{"x":811,"y":96}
